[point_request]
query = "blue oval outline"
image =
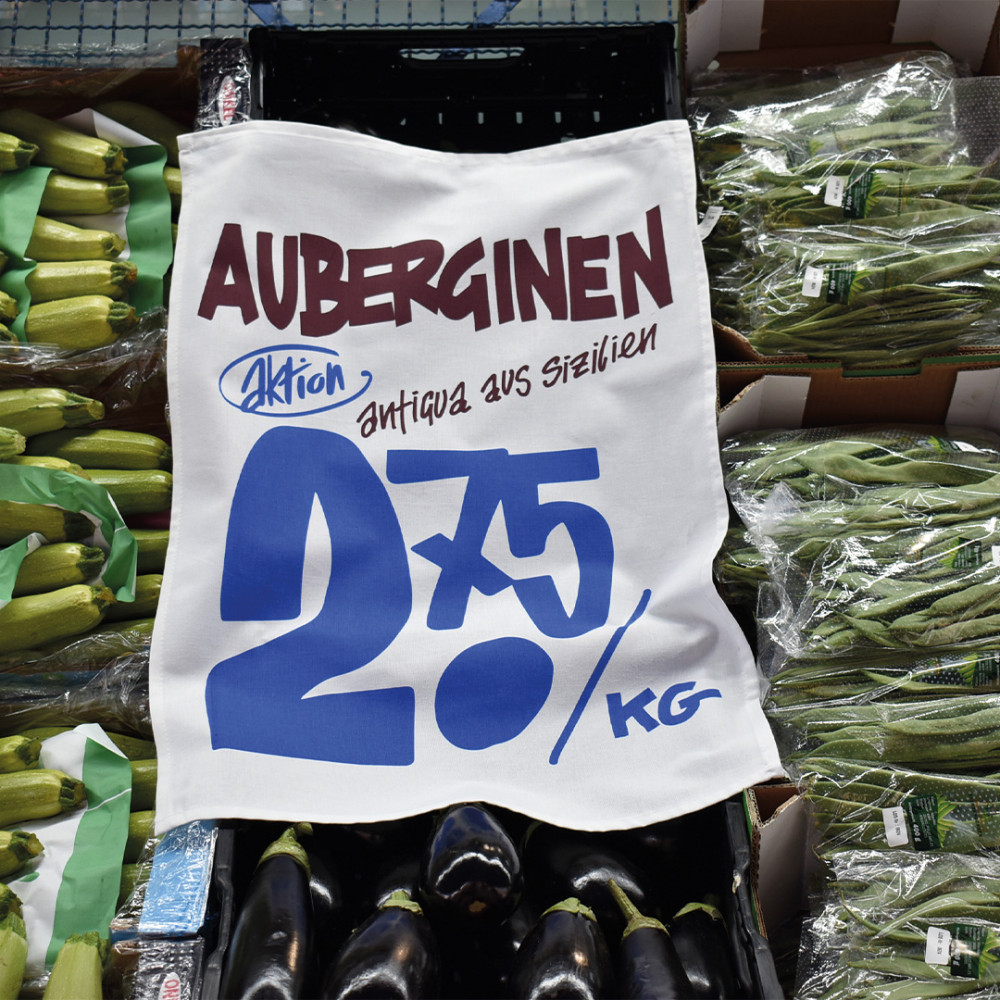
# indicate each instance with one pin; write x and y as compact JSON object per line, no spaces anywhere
{"x":291,"y":347}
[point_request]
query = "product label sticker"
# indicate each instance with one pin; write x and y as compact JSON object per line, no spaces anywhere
{"x":922,"y":818}
{"x":833,"y":193}
{"x":937,"y":950}
{"x":974,"y":670}
{"x":712,"y":215}
{"x":814,"y":282}
{"x":967,"y":553}
{"x":896,"y":833}
{"x":429,"y":541}
{"x":947,"y":444}
{"x":839,"y":278}
{"x":967,"y":944}
{"x":856,"y":194}
{"x":986,"y":666}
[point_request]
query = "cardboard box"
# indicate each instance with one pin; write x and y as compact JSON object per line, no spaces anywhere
{"x":779,"y":391}
{"x":778,"y":822}
{"x":958,"y":389}
{"x":801,"y":33}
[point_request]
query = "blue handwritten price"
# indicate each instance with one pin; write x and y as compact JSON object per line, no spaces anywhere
{"x":488,"y":694}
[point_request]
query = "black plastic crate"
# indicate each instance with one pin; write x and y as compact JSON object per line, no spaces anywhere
{"x":705,"y":853}
{"x":468,"y":89}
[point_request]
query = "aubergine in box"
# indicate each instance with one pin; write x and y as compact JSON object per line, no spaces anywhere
{"x":698,"y":864}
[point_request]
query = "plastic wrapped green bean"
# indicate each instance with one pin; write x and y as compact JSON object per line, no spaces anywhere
{"x":900,"y":924}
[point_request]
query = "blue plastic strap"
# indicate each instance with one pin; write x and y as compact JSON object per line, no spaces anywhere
{"x":494,"y":13}
{"x":268,"y":13}
{"x":489,"y":16}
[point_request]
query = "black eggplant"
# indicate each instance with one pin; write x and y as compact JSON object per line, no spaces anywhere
{"x":368,"y":849}
{"x":504,"y":941}
{"x":401,"y":874}
{"x":268,"y":952}
{"x":331,"y":912}
{"x":647,"y":965}
{"x":559,"y":863}
{"x":661,"y":842}
{"x":371,"y":843}
{"x":477,"y":959}
{"x":471,"y":868}
{"x":701,"y":941}
{"x":564,"y":955}
{"x":392,"y":955}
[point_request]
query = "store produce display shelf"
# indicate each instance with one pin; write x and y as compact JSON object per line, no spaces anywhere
{"x":101,"y":32}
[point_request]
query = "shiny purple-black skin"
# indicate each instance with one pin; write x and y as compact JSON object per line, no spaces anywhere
{"x":648,"y":967}
{"x":564,"y":955}
{"x":393,"y":955}
{"x":702,"y":943}
{"x":560,"y":863}
{"x":331,"y":916}
{"x":471,"y":870}
{"x":268,"y":955}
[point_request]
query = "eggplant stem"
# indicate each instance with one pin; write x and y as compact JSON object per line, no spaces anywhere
{"x":631,"y":912}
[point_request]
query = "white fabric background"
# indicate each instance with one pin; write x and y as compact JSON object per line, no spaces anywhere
{"x":650,"y":417}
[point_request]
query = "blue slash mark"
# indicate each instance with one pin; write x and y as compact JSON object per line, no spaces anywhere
{"x":595,"y":676}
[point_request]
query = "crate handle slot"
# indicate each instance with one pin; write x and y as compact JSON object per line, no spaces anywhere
{"x":493,"y":52}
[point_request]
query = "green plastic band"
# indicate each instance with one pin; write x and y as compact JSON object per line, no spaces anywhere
{"x":88,"y":892}
{"x":20,"y":195}
{"x":33,"y":484}
{"x":147,"y":224}
{"x":10,"y":561}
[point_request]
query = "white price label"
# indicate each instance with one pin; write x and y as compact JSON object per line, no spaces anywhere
{"x":996,"y":555}
{"x":814,"y":282}
{"x":896,"y":834}
{"x":836,"y":187}
{"x":937,"y":951}
{"x":712,"y":215}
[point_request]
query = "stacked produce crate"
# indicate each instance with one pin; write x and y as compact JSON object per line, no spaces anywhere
{"x":866,"y":555}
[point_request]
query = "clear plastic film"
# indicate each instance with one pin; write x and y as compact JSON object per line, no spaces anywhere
{"x":931,"y":584}
{"x":842,"y":958}
{"x":764,"y":152}
{"x":753,"y":98}
{"x":128,"y":377}
{"x":154,"y":968}
{"x":136,"y":868}
{"x":867,"y":805}
{"x":224,"y":94}
{"x":165,"y":892}
{"x":879,"y":881}
{"x":116,"y":696}
{"x":874,"y":540}
{"x":879,"y":107}
{"x":902,"y":924}
{"x":876,"y":173}
{"x":871,"y":300}
{"x":739,"y":568}
{"x":876,"y":677}
{"x":91,"y":651}
{"x":827,"y":463}
{"x":953,"y":734}
{"x":976,"y":101}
